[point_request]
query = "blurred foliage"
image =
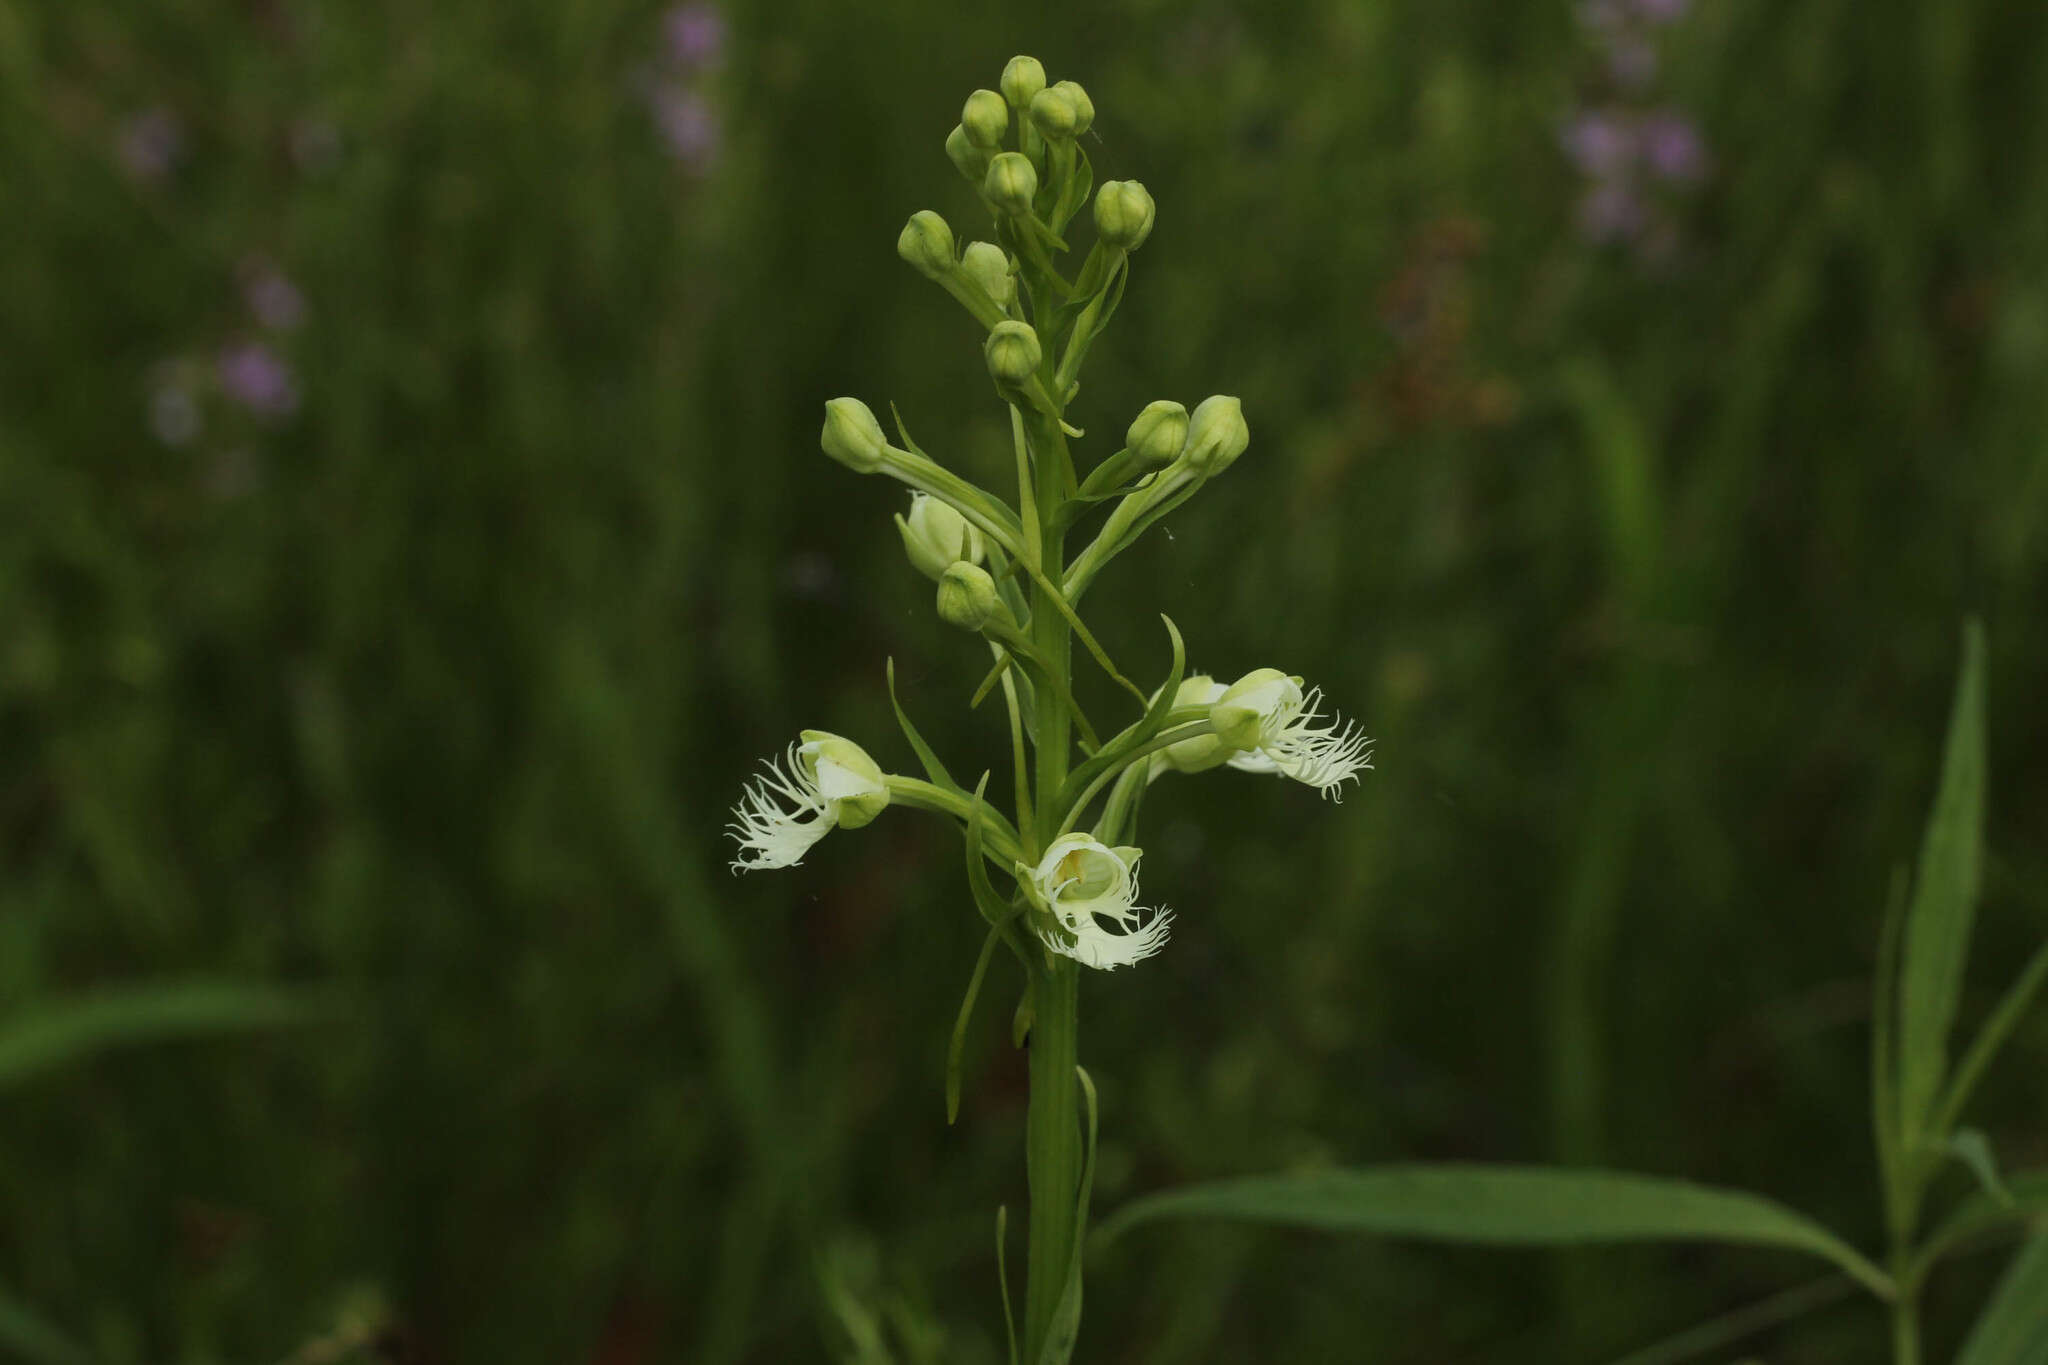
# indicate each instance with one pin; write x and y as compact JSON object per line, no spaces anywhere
{"x":432,"y":691}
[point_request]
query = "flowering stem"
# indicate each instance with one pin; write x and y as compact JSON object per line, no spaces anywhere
{"x":1052,"y":1147}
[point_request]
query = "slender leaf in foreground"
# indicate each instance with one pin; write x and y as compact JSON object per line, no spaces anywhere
{"x":2014,"y":1328}
{"x":1504,"y":1205}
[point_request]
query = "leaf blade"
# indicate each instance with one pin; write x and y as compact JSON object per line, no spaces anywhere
{"x":64,"y":1031}
{"x":1938,"y":918}
{"x":2013,"y":1329}
{"x":1504,"y":1206}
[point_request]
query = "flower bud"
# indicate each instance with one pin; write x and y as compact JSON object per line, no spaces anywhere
{"x":936,"y":537}
{"x":1053,"y":114}
{"x":968,"y":597}
{"x":985,"y":118}
{"x":927,"y":243}
{"x":1123,"y":213}
{"x":1217,"y":435}
{"x":970,"y":160}
{"x":1084,"y":108}
{"x":1022,"y":79}
{"x":1203,"y":752}
{"x":1012,"y":353}
{"x":852,"y":436}
{"x":1011,"y":182}
{"x":1157,"y":434}
{"x":851,"y":783}
{"x":1241,"y":714}
{"x":989,"y":266}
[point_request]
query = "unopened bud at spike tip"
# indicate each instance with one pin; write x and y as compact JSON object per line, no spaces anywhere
{"x":985,"y":118}
{"x":936,"y":537}
{"x":1123,"y":213}
{"x":1011,"y":183}
{"x":1157,"y":434}
{"x":1217,"y":435}
{"x":852,"y":436}
{"x":927,"y":243}
{"x":1022,"y":79}
{"x":970,"y":160}
{"x":1054,"y":115}
{"x":989,"y":266}
{"x":967,"y":596}
{"x":1084,"y":108}
{"x":1013,"y":353}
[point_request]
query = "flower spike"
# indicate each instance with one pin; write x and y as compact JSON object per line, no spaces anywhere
{"x":798,"y":799}
{"x":1277,"y":728}
{"x":1084,"y":882}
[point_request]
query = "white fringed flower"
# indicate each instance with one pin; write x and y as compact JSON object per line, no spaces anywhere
{"x":1086,"y":883}
{"x":1277,"y":728}
{"x":823,"y":782}
{"x":1200,"y":753}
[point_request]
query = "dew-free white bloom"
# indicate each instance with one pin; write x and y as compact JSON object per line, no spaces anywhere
{"x":819,"y":784}
{"x":1278,"y":728}
{"x":1086,"y":883}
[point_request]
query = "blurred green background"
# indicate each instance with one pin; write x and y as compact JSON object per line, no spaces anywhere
{"x":414,"y":534}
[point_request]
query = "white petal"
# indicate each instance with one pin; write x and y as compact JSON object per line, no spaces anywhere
{"x":1094,"y":946}
{"x":779,"y":817}
{"x":1323,"y":753}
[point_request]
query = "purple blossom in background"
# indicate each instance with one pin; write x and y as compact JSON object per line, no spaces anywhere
{"x":272,"y":298}
{"x":1599,"y":144}
{"x":150,"y":144}
{"x":1672,"y":147}
{"x":256,"y":377}
{"x":696,"y":35}
{"x":689,"y":125}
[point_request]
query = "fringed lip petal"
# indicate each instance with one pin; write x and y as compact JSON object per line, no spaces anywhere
{"x":780,"y":815}
{"x":1089,"y":887}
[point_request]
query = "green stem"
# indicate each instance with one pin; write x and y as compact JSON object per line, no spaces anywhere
{"x":1906,"y":1329}
{"x":1052,"y":1148}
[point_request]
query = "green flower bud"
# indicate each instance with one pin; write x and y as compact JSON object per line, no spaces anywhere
{"x":1022,"y":79}
{"x":850,"y":782}
{"x":1123,"y":213}
{"x":989,"y":266}
{"x":852,"y":436}
{"x":1054,"y":114}
{"x":968,"y":597}
{"x":985,"y":118}
{"x":1217,"y":435}
{"x":1157,"y":434}
{"x":1084,"y":108}
{"x":970,"y":160}
{"x":1011,"y":182}
{"x":1203,"y":751}
{"x":1241,"y":713}
{"x":1012,"y":352}
{"x":936,"y":537}
{"x":927,"y":243}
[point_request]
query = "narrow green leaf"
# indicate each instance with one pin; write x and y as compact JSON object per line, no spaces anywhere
{"x":1504,"y":1205}
{"x":1973,"y":1150}
{"x":62,"y":1032}
{"x":959,"y":1041}
{"x":1937,"y":939}
{"x":26,"y":1336}
{"x":1066,"y":1318}
{"x":2026,"y":1197}
{"x":1156,"y":711}
{"x":993,"y":908}
{"x":2014,"y":1327}
{"x":1003,"y":1278}
{"x":1992,"y":1036}
{"x":933,"y":769}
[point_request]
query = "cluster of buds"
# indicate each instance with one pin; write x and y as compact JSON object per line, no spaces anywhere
{"x":1068,"y":854}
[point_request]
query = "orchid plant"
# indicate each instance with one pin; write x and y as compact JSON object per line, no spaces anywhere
{"x":1057,"y":879}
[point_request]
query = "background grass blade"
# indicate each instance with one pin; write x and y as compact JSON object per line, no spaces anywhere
{"x":2014,"y":1328}
{"x":1504,"y":1205}
{"x":25,"y":1336}
{"x":61,"y":1032}
{"x":1944,"y":899}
